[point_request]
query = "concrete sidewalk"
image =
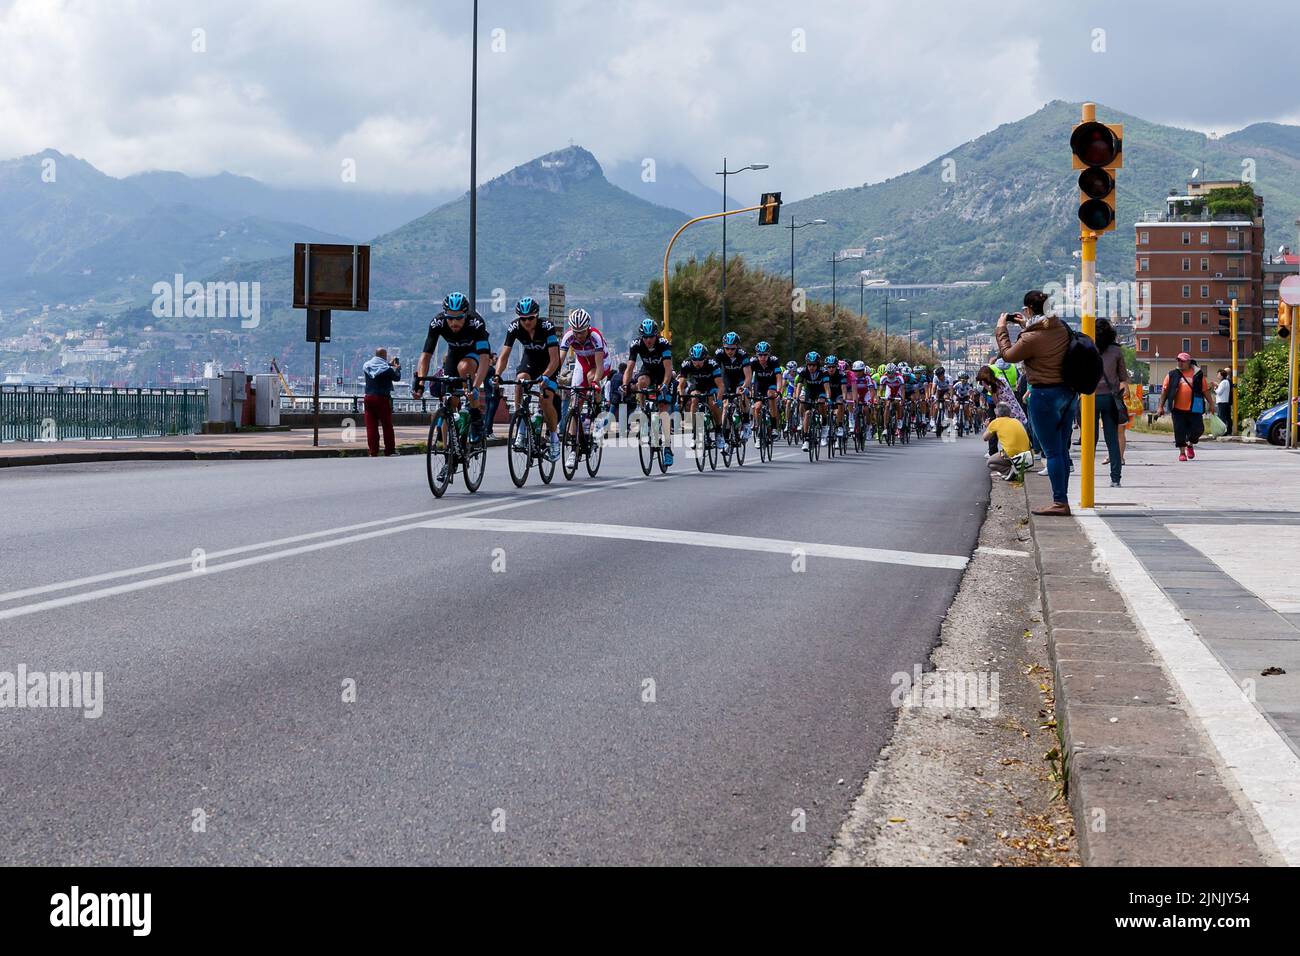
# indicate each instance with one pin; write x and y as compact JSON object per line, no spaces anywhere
{"x":334,"y":442}
{"x":1175,"y":626}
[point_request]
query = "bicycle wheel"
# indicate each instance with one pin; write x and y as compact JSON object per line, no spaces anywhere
{"x":520,"y":459}
{"x":700,"y":439}
{"x":476,"y":461}
{"x":645,"y":430}
{"x":742,"y":445}
{"x":595,"y":449}
{"x":545,"y":467}
{"x":570,"y":442}
{"x":726,"y":438}
{"x":439,"y":461}
{"x":711,"y":441}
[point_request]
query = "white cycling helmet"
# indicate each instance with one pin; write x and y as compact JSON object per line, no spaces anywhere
{"x":859,"y":366}
{"x":891,"y":368}
{"x":904,"y":368}
{"x":579,"y":319}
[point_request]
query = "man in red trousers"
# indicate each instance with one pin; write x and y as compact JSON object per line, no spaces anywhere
{"x":380,"y":376}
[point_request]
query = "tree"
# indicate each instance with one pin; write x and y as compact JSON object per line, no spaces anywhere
{"x":1264,"y":381}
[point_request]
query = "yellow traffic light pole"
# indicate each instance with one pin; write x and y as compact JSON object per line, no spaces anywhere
{"x":669,"y":251}
{"x":1235,"y":426}
{"x":1088,"y":403}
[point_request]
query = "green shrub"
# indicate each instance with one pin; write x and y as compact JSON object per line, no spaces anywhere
{"x":1264,"y":381}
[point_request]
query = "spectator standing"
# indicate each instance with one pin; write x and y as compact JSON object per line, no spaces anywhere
{"x":1186,"y":394}
{"x":380,"y":375}
{"x":1111,"y":395}
{"x":1223,"y":398}
{"x":1041,"y":346}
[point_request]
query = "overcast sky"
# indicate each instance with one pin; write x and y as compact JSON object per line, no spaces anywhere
{"x":830,"y":93}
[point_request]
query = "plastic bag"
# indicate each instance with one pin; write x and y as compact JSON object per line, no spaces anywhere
{"x":1214,"y":425}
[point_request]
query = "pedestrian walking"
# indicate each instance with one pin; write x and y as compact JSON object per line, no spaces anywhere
{"x":380,"y":374}
{"x":1186,"y":395}
{"x":1041,"y":346}
{"x":1223,"y":398}
{"x":1111,"y":399}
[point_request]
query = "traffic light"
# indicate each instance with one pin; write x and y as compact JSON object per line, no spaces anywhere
{"x":770,"y":210}
{"x":1098,"y":151}
{"x":1225,"y":323}
{"x":1283,"y":320}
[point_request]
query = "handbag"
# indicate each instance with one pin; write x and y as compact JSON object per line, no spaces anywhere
{"x":1121,"y":409}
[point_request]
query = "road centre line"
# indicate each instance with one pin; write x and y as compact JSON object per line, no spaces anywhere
{"x":472,"y":522}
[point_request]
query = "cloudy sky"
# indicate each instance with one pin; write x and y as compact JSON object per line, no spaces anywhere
{"x":829,"y":93}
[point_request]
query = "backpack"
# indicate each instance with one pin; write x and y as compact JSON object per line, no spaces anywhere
{"x":1081,"y":366}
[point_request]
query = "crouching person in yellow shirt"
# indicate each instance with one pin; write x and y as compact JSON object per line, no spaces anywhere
{"x":1013,"y":457}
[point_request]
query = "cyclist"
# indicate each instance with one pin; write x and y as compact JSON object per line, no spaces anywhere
{"x":541,"y":360}
{"x":940,"y":395}
{"x":468,"y":349}
{"x":963,"y":393}
{"x":791,"y":378}
{"x":700,"y":375}
{"x":812,"y":390}
{"x":765,"y":378}
{"x":862,"y":394}
{"x":893,"y":387}
{"x":837,"y":391}
{"x":736,"y":374}
{"x":587,"y":345}
{"x":655,"y":371}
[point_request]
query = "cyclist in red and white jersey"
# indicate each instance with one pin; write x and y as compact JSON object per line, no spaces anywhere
{"x":588,"y":346}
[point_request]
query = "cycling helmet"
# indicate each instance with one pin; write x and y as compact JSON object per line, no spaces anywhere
{"x":964,"y":376}
{"x":939,"y":370}
{"x":579,"y":319}
{"x":792,"y":365}
{"x":904,"y":368}
{"x":762,"y":348}
{"x":698,"y":351}
{"x":843,"y":364}
{"x":859,"y":366}
{"x":829,"y":361}
{"x":730,"y":341}
{"x":527,"y":307}
{"x":648,"y":328}
{"x":455,"y":302}
{"x":812,"y":358}
{"x":891,"y":368}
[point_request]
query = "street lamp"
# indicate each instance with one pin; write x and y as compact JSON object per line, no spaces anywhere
{"x":886,"y":346}
{"x":473,"y":169}
{"x":724,"y":174}
{"x":925,"y":313}
{"x":792,"y":227}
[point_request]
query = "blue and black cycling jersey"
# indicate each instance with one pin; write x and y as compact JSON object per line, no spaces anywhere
{"x":706,"y":377}
{"x":812,"y":381}
{"x":537,"y":347}
{"x":651,"y":358}
{"x":733,"y":367}
{"x":765,"y":376}
{"x":472,"y":339}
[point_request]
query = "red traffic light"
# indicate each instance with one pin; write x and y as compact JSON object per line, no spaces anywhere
{"x":1095,"y":144}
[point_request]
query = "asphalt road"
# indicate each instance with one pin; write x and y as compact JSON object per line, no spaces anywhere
{"x":501,"y":646}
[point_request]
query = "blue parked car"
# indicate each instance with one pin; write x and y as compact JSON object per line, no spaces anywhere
{"x":1272,"y":424}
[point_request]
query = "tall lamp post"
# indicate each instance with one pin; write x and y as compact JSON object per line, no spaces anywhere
{"x":473,"y":169}
{"x":792,"y":227}
{"x":886,"y":346}
{"x":724,"y":174}
{"x":925,"y":314}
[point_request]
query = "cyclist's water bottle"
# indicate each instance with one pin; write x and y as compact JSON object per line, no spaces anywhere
{"x":462,"y":421}
{"x":537,"y":424}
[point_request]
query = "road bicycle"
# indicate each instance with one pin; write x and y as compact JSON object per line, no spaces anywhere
{"x":650,"y":439}
{"x":582,"y":435}
{"x":451,"y":444}
{"x":732,"y":438}
{"x":527,"y":443}
{"x":704,"y":432}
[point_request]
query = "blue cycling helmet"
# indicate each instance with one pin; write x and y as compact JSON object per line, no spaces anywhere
{"x":730,"y":340}
{"x":455,"y":302}
{"x":812,"y":358}
{"x":762,"y":348}
{"x":831,"y":360}
{"x":698,"y":351}
{"x":527,"y":307}
{"x":648,"y":328}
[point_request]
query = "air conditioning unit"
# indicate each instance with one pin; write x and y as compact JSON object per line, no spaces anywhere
{"x":1218,"y":275}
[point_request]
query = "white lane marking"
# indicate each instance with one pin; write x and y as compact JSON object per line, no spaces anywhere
{"x":1004,"y":552}
{"x":1266,"y":769}
{"x":213,"y":555}
{"x":701,"y":539}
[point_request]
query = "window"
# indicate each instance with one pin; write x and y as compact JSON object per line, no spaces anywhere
{"x":1205,"y":264}
{"x":1234,"y":292}
{"x":1187,"y":238}
{"x":1205,"y":319}
{"x":1205,"y":346}
{"x":1187,"y":318}
{"x":1144,"y":265}
{"x":1145,"y":345}
{"x":1187,"y":264}
{"x":1187,"y":292}
{"x":1205,"y":238}
{"x":1205,"y":292}
{"x":1233,"y":237}
{"x":1187,"y":345}
{"x":1144,"y":238}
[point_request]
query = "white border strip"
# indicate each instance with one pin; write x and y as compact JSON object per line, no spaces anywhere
{"x":1265,"y":767}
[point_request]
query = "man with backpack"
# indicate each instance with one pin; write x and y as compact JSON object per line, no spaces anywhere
{"x":1041,"y":346}
{"x":1187,"y":397}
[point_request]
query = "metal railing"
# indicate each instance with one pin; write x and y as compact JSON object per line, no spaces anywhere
{"x":58,"y":413}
